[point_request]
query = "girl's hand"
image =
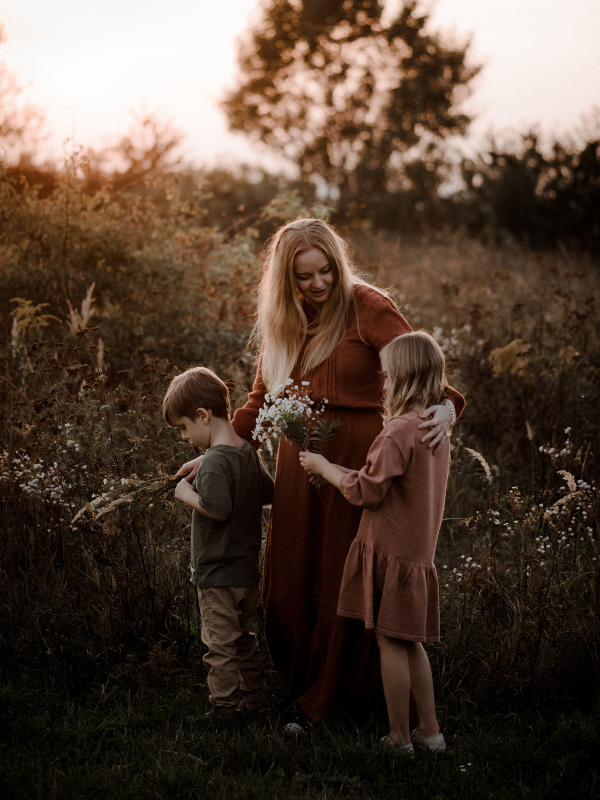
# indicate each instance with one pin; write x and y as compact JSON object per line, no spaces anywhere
{"x":186,"y":493}
{"x":313,"y":463}
{"x":190,"y":469}
{"x":439,"y":424}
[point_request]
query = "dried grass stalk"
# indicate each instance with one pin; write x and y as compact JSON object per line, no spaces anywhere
{"x":482,"y":461}
{"x":569,"y":479}
{"x":139,"y":497}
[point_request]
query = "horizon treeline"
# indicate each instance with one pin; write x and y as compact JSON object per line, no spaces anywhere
{"x":367,"y":135}
{"x":524,"y":194}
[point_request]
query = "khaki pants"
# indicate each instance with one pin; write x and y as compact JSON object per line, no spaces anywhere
{"x":233,"y":659}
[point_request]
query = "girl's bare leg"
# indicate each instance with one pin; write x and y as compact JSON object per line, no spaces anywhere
{"x":395,"y":674}
{"x":421,"y":685}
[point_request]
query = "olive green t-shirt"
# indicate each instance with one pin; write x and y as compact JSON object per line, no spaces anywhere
{"x":232,"y":483}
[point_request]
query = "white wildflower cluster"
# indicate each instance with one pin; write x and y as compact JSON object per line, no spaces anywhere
{"x":457,"y":574}
{"x":293,"y":404}
{"x":459,"y":342}
{"x":41,"y":478}
{"x":556,"y":453}
{"x":112,"y":484}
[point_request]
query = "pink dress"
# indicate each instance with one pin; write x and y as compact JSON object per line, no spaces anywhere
{"x":389,"y":580}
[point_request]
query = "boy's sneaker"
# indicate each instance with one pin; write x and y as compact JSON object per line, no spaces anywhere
{"x":252,"y":705}
{"x":434,"y":743}
{"x":227,"y":715}
{"x":403,"y":749}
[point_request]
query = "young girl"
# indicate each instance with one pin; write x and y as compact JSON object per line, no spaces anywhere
{"x":389,"y":579}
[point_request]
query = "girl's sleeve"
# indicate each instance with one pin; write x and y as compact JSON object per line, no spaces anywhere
{"x":380,"y":322}
{"x":368,"y":486}
{"x":244,"y":419}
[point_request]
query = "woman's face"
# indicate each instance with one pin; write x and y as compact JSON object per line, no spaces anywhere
{"x":314,"y":277}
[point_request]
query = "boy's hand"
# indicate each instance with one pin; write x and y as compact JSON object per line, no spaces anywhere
{"x":313,"y":463}
{"x":190,"y":469}
{"x":186,"y":493}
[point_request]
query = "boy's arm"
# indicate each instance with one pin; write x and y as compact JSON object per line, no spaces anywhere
{"x":190,"y":468}
{"x":185,"y":492}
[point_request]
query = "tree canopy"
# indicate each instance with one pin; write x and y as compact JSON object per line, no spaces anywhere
{"x":346,"y":95}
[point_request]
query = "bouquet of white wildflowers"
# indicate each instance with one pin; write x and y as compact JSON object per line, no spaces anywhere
{"x":295,"y":417}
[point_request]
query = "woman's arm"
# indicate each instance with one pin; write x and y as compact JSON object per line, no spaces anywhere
{"x":439,"y":419}
{"x":244,"y":419}
{"x":380,"y":323}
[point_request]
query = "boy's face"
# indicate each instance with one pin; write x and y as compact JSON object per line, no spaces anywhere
{"x":196,"y":431}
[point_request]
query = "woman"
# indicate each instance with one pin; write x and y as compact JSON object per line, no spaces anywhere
{"x":319,"y":322}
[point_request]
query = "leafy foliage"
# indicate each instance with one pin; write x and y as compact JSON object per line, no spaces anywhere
{"x":539,"y":198}
{"x":321,"y":432}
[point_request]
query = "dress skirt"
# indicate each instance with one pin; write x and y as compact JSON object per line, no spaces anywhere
{"x":324,"y":659}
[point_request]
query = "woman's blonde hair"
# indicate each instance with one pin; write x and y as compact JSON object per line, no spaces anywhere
{"x":416,"y":372}
{"x":282,"y":326}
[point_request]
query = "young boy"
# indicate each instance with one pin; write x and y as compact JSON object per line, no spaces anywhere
{"x":227,"y":496}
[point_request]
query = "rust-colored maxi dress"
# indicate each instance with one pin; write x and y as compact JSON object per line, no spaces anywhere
{"x":324,"y":659}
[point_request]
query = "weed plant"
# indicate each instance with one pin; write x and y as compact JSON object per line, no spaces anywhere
{"x":102,"y":302}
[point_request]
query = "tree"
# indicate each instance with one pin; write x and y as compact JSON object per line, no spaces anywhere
{"x":540,"y":198}
{"x":347,"y":97}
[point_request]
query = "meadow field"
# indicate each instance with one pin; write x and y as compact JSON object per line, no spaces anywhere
{"x":102,"y":688}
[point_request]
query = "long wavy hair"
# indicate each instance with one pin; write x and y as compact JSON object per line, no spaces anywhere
{"x":416,"y":372}
{"x":282,"y":327}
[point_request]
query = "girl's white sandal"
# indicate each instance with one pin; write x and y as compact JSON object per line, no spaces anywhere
{"x":434,"y":743}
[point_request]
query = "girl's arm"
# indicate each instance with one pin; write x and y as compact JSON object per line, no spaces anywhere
{"x":367,"y":487}
{"x":318,"y":465}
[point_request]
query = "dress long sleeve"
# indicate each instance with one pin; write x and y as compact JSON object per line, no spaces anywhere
{"x":244,"y":419}
{"x":368,"y":486}
{"x":380,"y":322}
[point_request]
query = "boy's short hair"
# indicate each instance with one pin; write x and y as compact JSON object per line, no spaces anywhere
{"x":196,"y":388}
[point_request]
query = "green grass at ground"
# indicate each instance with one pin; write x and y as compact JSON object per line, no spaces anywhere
{"x":150,"y":740}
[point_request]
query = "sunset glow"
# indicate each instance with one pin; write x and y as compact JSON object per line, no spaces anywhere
{"x":87,"y":65}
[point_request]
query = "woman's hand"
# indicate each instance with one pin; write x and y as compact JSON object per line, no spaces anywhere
{"x":190,"y":469}
{"x":439,"y":424}
{"x":313,"y":463}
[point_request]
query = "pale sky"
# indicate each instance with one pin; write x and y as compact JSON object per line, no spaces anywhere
{"x":88,"y":63}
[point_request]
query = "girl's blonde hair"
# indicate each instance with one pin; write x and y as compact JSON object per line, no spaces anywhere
{"x":282,"y":326}
{"x":416,"y":372}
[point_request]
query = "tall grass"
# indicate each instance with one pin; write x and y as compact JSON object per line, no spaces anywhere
{"x":156,"y":290}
